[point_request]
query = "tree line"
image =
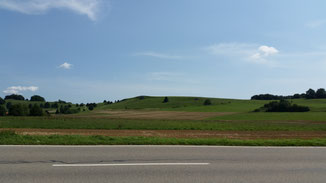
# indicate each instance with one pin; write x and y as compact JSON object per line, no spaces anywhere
{"x":282,"y":106}
{"x":310,"y":94}
{"x":39,"y":108}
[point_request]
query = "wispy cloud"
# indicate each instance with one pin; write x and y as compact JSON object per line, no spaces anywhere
{"x":90,"y":8}
{"x":250,"y":52}
{"x":231,"y":49}
{"x":65,"y":66}
{"x":315,"y":24}
{"x":18,"y":89}
{"x":164,"y":76}
{"x":172,"y":77}
{"x":159,"y":55}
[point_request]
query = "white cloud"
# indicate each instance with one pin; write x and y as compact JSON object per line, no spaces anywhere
{"x":90,"y":8}
{"x":268,"y":50}
{"x":18,"y":89}
{"x":159,"y":55}
{"x":65,"y":65}
{"x":243,"y":51}
{"x":263,"y":52}
{"x":315,"y":24}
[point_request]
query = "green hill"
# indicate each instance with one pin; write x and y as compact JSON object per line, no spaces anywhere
{"x":196,"y":104}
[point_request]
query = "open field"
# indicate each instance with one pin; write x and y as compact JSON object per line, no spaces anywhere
{"x":171,"y":115}
{"x":181,"y":118}
{"x":77,"y":122}
{"x":195,"y":104}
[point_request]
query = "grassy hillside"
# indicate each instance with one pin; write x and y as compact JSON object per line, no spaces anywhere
{"x":195,"y":104}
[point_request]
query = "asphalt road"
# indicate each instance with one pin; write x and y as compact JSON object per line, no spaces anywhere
{"x":47,"y":164}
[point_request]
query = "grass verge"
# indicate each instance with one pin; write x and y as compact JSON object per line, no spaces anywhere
{"x":11,"y":138}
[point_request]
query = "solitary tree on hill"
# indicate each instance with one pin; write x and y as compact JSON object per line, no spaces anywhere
{"x":207,"y":102}
{"x":166,"y":99}
{"x":37,"y":98}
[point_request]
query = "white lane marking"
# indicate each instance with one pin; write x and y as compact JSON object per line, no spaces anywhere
{"x":130,"y":164}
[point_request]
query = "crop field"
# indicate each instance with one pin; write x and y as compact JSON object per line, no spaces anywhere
{"x":181,"y":117}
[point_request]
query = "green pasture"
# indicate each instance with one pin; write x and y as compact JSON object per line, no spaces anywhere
{"x":142,"y":124}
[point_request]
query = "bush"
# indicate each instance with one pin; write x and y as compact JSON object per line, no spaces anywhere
{"x":18,"y":110}
{"x":3,"y":110}
{"x":47,"y":105}
{"x":55,"y":105}
{"x":90,"y":107}
{"x":14,"y":97}
{"x":282,"y":106}
{"x":36,"y":110}
{"x":207,"y":102}
{"x":8,"y":105}
{"x":2,"y":101}
{"x":166,"y":100}
{"x":37,"y":98}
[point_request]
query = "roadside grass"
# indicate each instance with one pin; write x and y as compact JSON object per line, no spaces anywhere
{"x":142,"y":124}
{"x":10,"y":138}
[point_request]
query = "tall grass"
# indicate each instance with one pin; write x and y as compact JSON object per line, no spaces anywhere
{"x":10,"y":138}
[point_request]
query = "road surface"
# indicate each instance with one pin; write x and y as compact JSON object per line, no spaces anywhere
{"x":161,"y":164}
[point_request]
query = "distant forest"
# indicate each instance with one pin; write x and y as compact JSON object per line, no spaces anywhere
{"x":310,"y":94}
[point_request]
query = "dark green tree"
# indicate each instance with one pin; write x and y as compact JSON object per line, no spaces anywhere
{"x":2,"y":101}
{"x":321,"y":93}
{"x":91,"y":107}
{"x":296,"y":96}
{"x":14,"y":97}
{"x":166,"y":100}
{"x":36,"y":110}
{"x":37,"y":98}
{"x":55,"y":105}
{"x":18,"y":110}
{"x":8,"y":105}
{"x":3,"y":110}
{"x":310,"y":94}
{"x":47,"y":105}
{"x":207,"y":102}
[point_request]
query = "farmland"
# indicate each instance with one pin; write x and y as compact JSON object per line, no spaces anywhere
{"x":181,"y":118}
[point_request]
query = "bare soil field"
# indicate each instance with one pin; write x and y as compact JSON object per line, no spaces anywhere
{"x":172,"y":115}
{"x":177,"y":133}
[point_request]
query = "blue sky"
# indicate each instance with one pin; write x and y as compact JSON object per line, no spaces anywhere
{"x":91,"y":50}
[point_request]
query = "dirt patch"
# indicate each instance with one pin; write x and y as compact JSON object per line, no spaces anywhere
{"x":178,"y":133}
{"x":171,"y":115}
